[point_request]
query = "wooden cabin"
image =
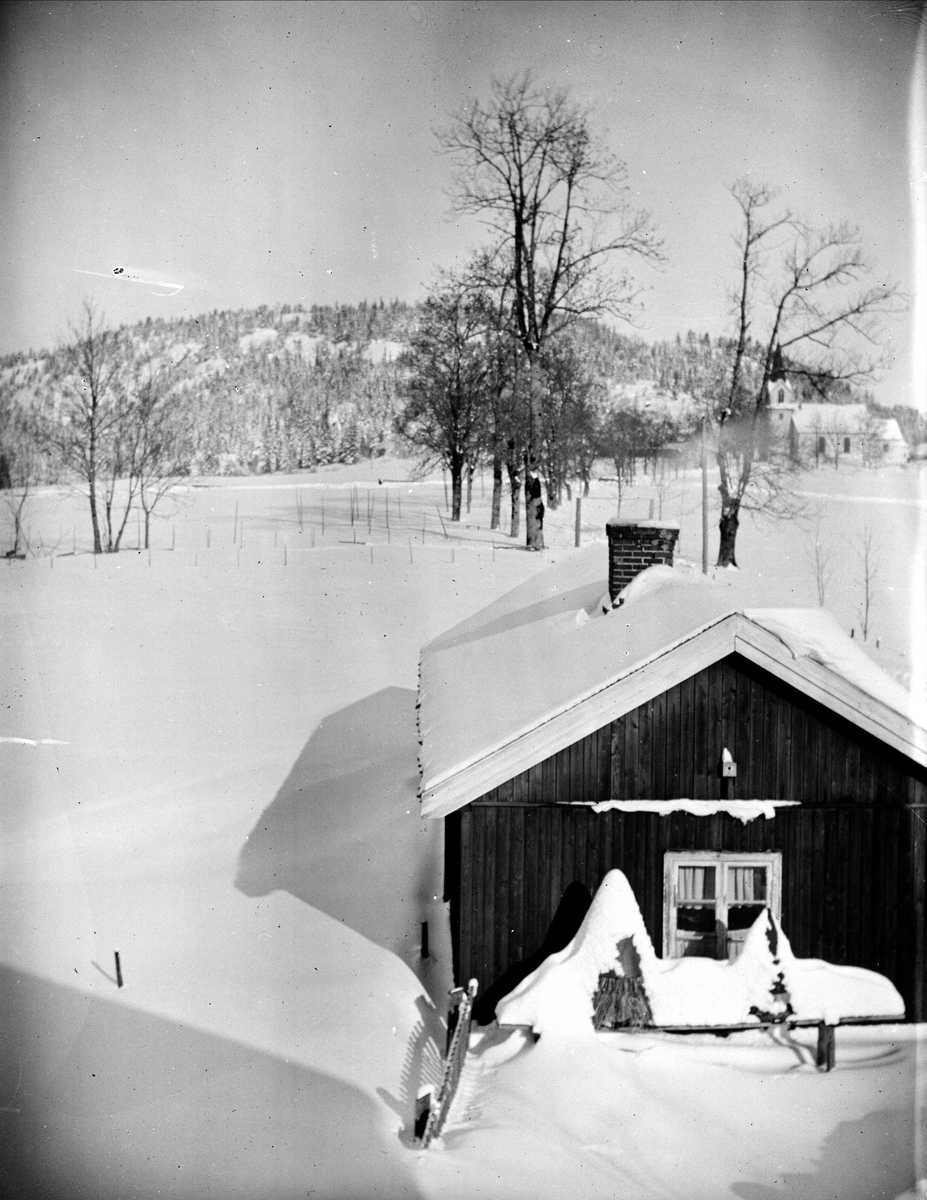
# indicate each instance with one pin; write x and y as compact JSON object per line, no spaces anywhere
{"x":723,"y":743}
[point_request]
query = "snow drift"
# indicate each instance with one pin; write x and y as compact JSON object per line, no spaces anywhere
{"x":767,"y":981}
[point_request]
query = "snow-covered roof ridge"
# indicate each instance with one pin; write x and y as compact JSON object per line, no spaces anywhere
{"x":543,"y":666}
{"x":814,"y":634}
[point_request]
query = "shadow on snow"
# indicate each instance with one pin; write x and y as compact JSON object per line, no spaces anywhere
{"x":101,"y":1101}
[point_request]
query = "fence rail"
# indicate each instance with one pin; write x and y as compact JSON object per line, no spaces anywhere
{"x":453,"y":1064}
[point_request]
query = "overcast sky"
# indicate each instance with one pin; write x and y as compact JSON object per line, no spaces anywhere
{"x":284,"y":153}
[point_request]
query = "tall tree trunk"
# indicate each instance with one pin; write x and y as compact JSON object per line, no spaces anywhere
{"x":94,"y":517}
{"x":534,"y":505}
{"x":108,"y":520}
{"x":495,"y":518}
{"x":534,"y":509}
{"x":514,"y":472}
{"x":456,"y":489}
{"x":727,"y":527}
{"x":554,"y":493}
{"x":92,"y":486}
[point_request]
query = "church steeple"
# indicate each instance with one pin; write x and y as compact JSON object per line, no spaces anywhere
{"x":780,"y":397}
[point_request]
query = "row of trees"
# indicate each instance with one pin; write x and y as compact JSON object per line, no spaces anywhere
{"x":495,"y":366}
{"x":114,"y":424}
{"x":468,"y":402}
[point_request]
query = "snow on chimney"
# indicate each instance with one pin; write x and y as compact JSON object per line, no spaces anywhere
{"x":635,"y":545}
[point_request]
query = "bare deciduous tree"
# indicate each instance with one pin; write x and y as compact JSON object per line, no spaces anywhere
{"x":870,"y":567}
{"x":117,"y":426}
{"x":557,"y":203}
{"x":822,"y":558}
{"x":445,"y":412}
{"x":801,"y":292}
{"x":163,"y":440}
{"x":87,"y":423}
{"x":20,"y":459}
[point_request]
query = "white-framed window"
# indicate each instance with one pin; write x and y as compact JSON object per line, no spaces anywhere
{"x":710,"y":900}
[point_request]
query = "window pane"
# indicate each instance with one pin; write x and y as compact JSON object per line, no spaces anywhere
{"x":700,"y":919}
{"x":743,"y":915}
{"x":699,"y":947}
{"x":746,"y":883}
{"x":696,"y":883}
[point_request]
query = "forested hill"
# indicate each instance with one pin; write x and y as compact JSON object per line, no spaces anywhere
{"x":277,"y":388}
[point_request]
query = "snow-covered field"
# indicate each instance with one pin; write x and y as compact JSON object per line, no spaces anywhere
{"x":208,"y":761}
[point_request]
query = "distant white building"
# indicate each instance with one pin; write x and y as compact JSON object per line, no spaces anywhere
{"x":831,"y":432}
{"x":780,"y":404}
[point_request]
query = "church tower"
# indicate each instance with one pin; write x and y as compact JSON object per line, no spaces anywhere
{"x":780,"y":400}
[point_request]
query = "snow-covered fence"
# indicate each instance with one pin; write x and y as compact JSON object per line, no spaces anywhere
{"x":456,"y":1053}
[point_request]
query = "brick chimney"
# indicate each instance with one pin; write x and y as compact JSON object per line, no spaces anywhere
{"x":635,"y":545}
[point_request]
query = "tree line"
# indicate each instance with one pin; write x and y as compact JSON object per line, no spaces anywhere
{"x":513,"y":361}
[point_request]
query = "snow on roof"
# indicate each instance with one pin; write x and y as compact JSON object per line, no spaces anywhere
{"x":815,"y":635}
{"x":557,"y":998}
{"x":842,"y":418}
{"x":544,"y":665}
{"x":891,"y":431}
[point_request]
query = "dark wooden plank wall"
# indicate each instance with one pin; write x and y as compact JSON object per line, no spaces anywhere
{"x":853,"y":854}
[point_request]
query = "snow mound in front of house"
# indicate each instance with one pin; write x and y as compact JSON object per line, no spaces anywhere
{"x":557,"y":996}
{"x":766,"y":982}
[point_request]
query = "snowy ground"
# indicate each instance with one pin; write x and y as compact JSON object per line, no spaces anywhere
{"x":208,"y":761}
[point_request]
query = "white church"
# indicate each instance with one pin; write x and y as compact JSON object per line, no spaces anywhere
{"x":828,"y":433}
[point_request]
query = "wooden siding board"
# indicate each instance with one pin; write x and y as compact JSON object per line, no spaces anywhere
{"x":744,"y":749}
{"x":615,"y":756}
{"x":549,"y":782}
{"x":728,"y":705}
{"x":644,"y":784}
{"x":461,"y":926}
{"x":701,"y":750}
{"x":660,"y":750}
{"x":532,"y":883}
{"x":483,"y":912}
{"x":673,"y":736}
{"x":516,"y":942}
{"x":917,"y":830}
{"x":837,"y":750}
{"x":536,"y":785}
{"x":770,"y":752}
{"x":503,"y":894}
{"x":520,"y":788}
{"x":471,"y":897}
{"x":844,"y":856}
{"x":603,"y":784}
{"x":630,"y":780}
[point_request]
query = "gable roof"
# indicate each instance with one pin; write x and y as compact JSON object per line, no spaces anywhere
{"x":544,"y":666}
